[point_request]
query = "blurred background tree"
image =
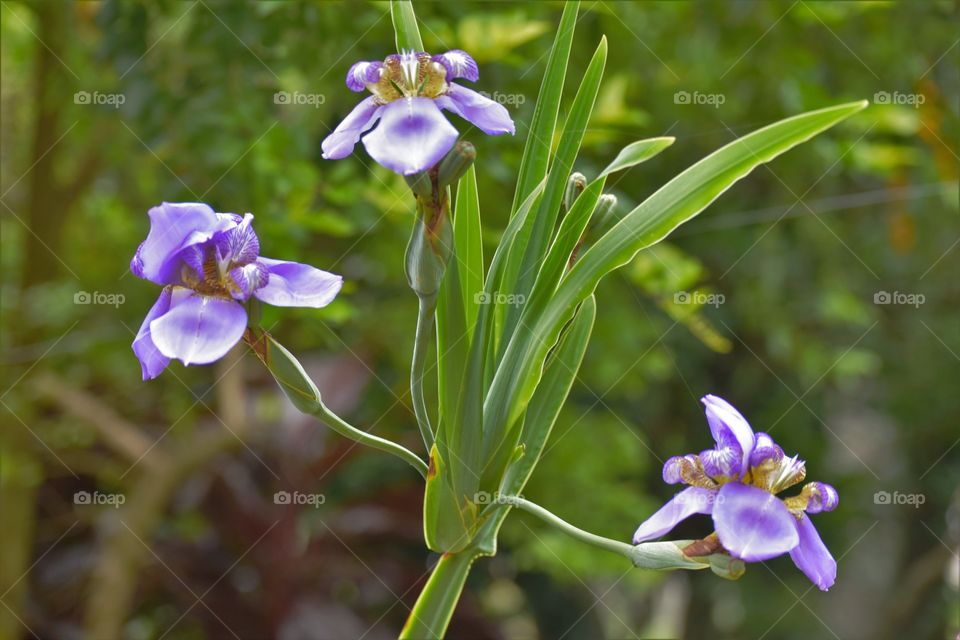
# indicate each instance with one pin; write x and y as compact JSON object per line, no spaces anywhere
{"x":110,"y":107}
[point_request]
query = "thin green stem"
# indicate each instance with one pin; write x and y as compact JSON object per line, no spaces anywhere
{"x":347,"y":430}
{"x":421,"y":345}
{"x":614,"y":546}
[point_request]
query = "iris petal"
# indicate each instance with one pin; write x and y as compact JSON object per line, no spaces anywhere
{"x":753,"y":524}
{"x":488,"y":116}
{"x":198,"y":329}
{"x":239,"y":245}
{"x":412,"y":136}
{"x":459,"y":64}
{"x":340,"y":143}
{"x":688,"y":502}
{"x":152,"y":362}
{"x":363,"y":73}
{"x":173,"y":226}
{"x":729,"y":428}
{"x":292,"y":284}
{"x":822,"y":497}
{"x":812,"y":556}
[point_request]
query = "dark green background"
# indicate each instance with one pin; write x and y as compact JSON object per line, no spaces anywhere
{"x":866,"y":393}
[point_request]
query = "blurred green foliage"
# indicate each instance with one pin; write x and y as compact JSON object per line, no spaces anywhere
{"x":865,"y":392}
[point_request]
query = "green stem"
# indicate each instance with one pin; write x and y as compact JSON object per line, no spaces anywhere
{"x":660,"y":556}
{"x":434,"y":607}
{"x":615,"y":546}
{"x":347,"y":430}
{"x":421,"y":345}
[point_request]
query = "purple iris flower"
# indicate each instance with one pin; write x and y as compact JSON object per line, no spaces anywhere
{"x":209,"y":264}
{"x":409,"y":90}
{"x":737,"y":482}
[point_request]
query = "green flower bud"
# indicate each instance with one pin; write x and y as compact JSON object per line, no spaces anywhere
{"x":455,"y":163}
{"x":575,"y":186}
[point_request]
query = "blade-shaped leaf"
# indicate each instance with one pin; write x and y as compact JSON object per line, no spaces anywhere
{"x":560,"y":372}
{"x":405,"y":26}
{"x":536,"y":151}
{"x":672,"y":205}
{"x":530,"y":245}
{"x":637,"y":152}
{"x":469,"y":245}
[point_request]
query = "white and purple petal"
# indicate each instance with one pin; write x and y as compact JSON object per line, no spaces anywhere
{"x":459,"y":64}
{"x":238,"y":246}
{"x":363,"y":73}
{"x":152,"y":362}
{"x":248,"y":279}
{"x":291,"y":284}
{"x":412,"y":136}
{"x":753,"y":524}
{"x":821,"y":497}
{"x":721,"y":462}
{"x":688,"y":502}
{"x":487,"y":115}
{"x":674,"y":468}
{"x":812,"y":556}
{"x":729,"y":427}
{"x":173,"y":226}
{"x":765,"y":450}
{"x":198,"y":329}
{"x":340,"y":143}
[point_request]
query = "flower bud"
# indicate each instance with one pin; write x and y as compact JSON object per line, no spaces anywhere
{"x":575,"y":186}
{"x":455,"y":163}
{"x":429,"y":251}
{"x":604,"y":216}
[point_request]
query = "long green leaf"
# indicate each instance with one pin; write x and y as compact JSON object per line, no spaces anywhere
{"x":637,"y":152}
{"x":575,"y":222}
{"x":560,"y":372}
{"x":536,"y":151}
{"x":531,"y":243}
{"x":405,"y":26}
{"x":673,"y":204}
{"x":469,"y":245}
